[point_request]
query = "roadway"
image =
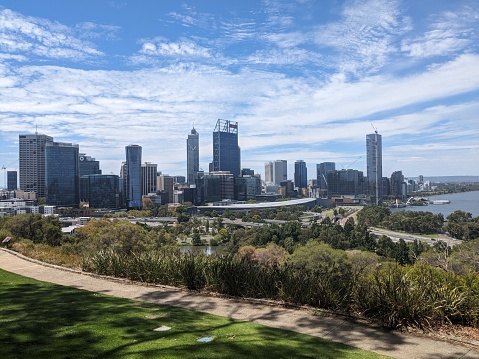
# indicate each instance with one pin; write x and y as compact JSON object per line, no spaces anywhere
{"x":407,"y":237}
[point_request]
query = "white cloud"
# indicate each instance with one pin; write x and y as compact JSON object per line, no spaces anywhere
{"x":364,"y":36}
{"x":41,"y":37}
{"x":182,"y":48}
{"x":449,"y":33}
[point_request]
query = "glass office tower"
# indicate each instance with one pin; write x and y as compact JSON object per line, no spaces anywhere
{"x":62,"y":174}
{"x":226,"y":152}
{"x":300,"y":174}
{"x":133,"y":176}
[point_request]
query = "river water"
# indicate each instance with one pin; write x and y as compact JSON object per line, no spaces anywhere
{"x":464,"y":201}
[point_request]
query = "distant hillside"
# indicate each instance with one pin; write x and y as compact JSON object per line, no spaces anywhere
{"x":452,"y":179}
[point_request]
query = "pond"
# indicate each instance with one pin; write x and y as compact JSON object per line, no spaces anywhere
{"x":208,"y":250}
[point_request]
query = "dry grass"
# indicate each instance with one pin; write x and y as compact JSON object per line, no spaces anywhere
{"x":48,"y":254}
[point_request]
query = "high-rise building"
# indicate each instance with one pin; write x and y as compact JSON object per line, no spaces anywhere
{"x":268,"y":172}
{"x":12,"y":181}
{"x":133,"y":176}
{"x":374,"y":167}
{"x":226,"y":152}
{"x":62,"y":177}
{"x":300,"y":174}
{"x":148,"y":178}
{"x":167,"y":184}
{"x":100,"y":191}
{"x":280,"y":171}
{"x":88,"y":165}
{"x":192,"y":156}
{"x":396,"y":185}
{"x":32,"y":162}
{"x":345,"y":183}
{"x":322,"y":171}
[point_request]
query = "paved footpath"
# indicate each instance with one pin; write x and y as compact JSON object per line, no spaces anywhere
{"x":391,"y":343}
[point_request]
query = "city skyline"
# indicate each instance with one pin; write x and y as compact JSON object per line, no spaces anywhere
{"x":304,"y":80}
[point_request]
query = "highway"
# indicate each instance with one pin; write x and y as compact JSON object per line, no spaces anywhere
{"x":395,"y":236}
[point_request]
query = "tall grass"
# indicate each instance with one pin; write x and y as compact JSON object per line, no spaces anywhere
{"x":394,"y":295}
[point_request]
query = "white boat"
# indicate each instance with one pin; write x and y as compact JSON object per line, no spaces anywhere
{"x":440,"y":201}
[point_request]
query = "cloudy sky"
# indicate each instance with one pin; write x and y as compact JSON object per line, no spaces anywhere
{"x":305,"y":79}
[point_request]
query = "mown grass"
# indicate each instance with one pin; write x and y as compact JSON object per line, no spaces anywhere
{"x":42,"y":320}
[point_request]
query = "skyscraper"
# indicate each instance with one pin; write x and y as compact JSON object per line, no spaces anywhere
{"x":148,"y":178}
{"x":268,"y":172}
{"x":100,"y":191}
{"x":397,"y":184}
{"x":62,"y":177}
{"x":322,"y":171}
{"x":374,"y":167}
{"x":133,"y":176}
{"x":192,"y":156}
{"x":88,"y":165}
{"x":280,"y":171}
{"x":226,"y":152}
{"x":32,"y":162}
{"x":12,"y":180}
{"x":300,"y":174}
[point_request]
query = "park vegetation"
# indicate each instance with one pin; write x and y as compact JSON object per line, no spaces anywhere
{"x":343,"y":268}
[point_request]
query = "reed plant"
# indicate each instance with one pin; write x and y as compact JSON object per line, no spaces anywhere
{"x":392,"y":294}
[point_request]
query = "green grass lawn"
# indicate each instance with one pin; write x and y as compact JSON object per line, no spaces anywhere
{"x":42,"y":320}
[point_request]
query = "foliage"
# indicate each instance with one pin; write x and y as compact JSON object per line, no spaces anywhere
{"x":461,"y":225}
{"x":414,"y":222}
{"x":34,"y":227}
{"x":372,"y":215}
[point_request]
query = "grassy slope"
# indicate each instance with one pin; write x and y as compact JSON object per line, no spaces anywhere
{"x":42,"y":320}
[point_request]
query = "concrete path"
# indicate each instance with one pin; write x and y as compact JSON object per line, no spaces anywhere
{"x":394,"y":344}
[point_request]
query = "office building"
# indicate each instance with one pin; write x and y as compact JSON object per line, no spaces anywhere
{"x":322,"y":171}
{"x":132,"y":173}
{"x":100,"y":191}
{"x":247,"y":172}
{"x":181,"y":180}
{"x":345,"y":183}
{"x":62,"y":179}
{"x":167,"y":184}
{"x":396,"y":185}
{"x":12,"y":181}
{"x":192,"y":156}
{"x":268,"y":172}
{"x":88,"y":165}
{"x":32,"y":162}
{"x":374,"y":167}
{"x":148,"y":178}
{"x":247,"y":187}
{"x":280,"y":171}
{"x":300,"y":174}
{"x":226,"y":152}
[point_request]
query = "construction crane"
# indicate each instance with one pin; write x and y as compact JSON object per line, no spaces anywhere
{"x":352,"y":163}
{"x":375,"y":129}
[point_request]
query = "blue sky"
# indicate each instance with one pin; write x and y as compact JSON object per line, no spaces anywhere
{"x":304,"y":79}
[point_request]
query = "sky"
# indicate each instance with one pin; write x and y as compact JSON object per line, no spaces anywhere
{"x":304,"y":79}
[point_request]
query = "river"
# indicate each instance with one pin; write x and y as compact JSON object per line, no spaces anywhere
{"x":464,"y":201}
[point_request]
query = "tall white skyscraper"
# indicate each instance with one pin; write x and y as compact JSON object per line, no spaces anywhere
{"x":374,"y":167}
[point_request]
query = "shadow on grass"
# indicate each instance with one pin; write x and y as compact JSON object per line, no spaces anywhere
{"x":41,"y":320}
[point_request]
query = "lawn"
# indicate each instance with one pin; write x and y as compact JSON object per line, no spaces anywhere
{"x":43,"y":320}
